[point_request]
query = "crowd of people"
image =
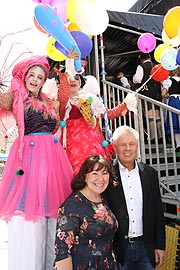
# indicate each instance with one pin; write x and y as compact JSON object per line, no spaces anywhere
{"x":68,"y":205}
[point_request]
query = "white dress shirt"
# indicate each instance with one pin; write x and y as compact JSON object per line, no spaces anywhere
{"x":133,"y":194}
{"x":138,"y":76}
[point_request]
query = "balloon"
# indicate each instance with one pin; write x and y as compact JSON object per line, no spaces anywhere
{"x":83,"y":41}
{"x":179,"y":32}
{"x":168,"y":59}
{"x":171,"y":42}
{"x":52,"y":52}
{"x":38,"y":26}
{"x":92,"y":18}
{"x":60,"y":9}
{"x":146,"y":42}
{"x":60,"y":48}
{"x":53,"y":24}
{"x":71,"y":8}
{"x":172,"y":21}
{"x":159,"y":50}
{"x":178,"y":57}
{"x":158,"y":73}
{"x":73,"y":26}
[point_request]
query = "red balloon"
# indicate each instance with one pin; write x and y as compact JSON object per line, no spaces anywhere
{"x":159,"y":73}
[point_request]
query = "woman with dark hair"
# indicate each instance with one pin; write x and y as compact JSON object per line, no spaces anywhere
{"x":85,"y":224}
{"x":37,"y":174}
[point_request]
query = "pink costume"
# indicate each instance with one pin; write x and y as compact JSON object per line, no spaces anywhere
{"x":82,"y":139}
{"x":37,"y":174}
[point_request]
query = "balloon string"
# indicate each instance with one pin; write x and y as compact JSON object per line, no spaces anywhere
{"x":150,"y":77}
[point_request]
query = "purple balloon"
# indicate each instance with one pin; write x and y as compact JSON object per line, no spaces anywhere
{"x":59,"y":47}
{"x":83,"y":41}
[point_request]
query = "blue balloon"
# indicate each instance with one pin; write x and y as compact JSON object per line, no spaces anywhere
{"x":52,"y":23}
{"x":168,"y":59}
{"x":178,"y":57}
{"x":83,"y":41}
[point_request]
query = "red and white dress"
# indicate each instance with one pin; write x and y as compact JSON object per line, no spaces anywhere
{"x":82,"y":139}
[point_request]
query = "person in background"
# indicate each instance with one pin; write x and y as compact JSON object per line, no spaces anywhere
{"x":151,"y":89}
{"x":85,"y":224}
{"x":120,"y":79}
{"x":37,"y":175}
{"x":82,"y":135}
{"x":139,"y":242}
{"x":171,"y":91}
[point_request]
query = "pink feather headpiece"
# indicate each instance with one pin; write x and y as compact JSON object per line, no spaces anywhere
{"x":20,"y":93}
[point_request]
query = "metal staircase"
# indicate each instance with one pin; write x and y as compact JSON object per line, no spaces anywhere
{"x":161,"y":156}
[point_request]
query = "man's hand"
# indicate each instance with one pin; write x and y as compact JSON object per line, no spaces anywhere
{"x":159,"y":256}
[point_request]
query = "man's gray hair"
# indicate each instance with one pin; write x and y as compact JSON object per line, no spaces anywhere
{"x":124,"y":130}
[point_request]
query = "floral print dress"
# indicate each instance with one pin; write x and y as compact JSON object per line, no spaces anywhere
{"x":85,"y":231}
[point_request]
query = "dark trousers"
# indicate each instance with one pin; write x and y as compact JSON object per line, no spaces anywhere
{"x":136,"y":257}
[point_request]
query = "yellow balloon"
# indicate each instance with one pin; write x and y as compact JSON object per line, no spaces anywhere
{"x":73,"y":27}
{"x":172,"y":21}
{"x":54,"y":53}
{"x":159,"y":50}
{"x":71,"y":8}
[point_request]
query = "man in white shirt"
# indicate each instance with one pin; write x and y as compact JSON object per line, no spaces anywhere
{"x":136,"y":202}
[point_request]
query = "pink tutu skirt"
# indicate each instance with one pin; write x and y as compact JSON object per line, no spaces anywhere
{"x":45,"y":183}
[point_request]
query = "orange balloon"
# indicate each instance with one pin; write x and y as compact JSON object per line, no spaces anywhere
{"x":172,"y":21}
{"x":38,"y":26}
{"x":73,"y":26}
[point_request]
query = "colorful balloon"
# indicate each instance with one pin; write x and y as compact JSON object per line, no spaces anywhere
{"x":92,"y":18}
{"x":52,"y":52}
{"x":172,"y":21}
{"x":60,"y":9}
{"x":168,"y":59}
{"x":38,"y":26}
{"x":71,"y":8}
{"x":171,"y":42}
{"x":146,"y":42}
{"x":53,"y":24}
{"x":158,"y":73}
{"x":83,"y":41}
{"x":178,"y":57}
{"x":73,"y":27}
{"x":159,"y":50}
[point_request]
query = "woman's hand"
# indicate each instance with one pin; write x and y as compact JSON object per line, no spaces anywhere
{"x":72,"y":54}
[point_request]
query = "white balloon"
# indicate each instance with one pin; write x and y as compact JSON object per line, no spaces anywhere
{"x":92,"y":18}
{"x":171,"y":42}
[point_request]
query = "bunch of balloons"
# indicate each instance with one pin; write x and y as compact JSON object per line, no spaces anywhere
{"x":166,"y":54}
{"x":70,"y":23}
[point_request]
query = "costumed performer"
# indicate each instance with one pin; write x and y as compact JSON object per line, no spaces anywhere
{"x":81,"y":135}
{"x":37,"y":174}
